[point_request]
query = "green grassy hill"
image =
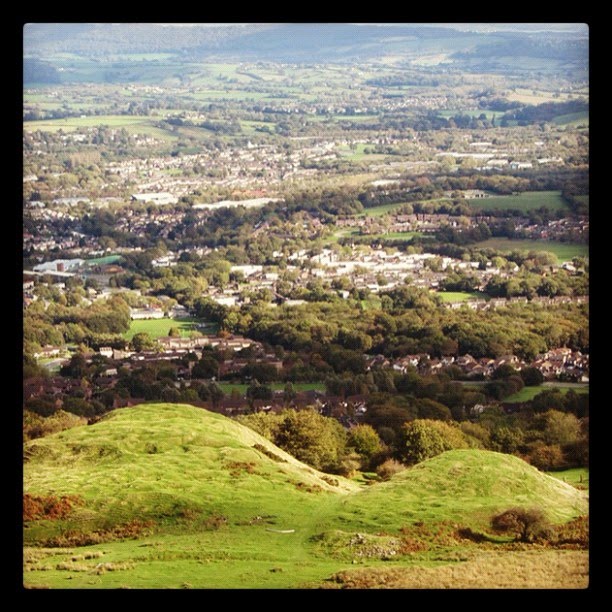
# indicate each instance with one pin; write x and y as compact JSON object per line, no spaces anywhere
{"x":463,"y":486}
{"x":168,"y":461}
{"x":174,"y":496}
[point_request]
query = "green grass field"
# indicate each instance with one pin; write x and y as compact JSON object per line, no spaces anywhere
{"x":108,"y":259}
{"x":241,"y":388}
{"x":132,"y":124}
{"x":358,"y":153}
{"x":528,"y":200}
{"x":157,"y":328}
{"x":227,"y":514}
{"x":528,"y":393}
{"x":577,"y":477}
{"x":563,"y":250}
{"x":383,"y":209}
{"x":460,"y":296}
{"x":581,"y":118}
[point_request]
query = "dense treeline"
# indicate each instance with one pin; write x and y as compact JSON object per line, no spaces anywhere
{"x":409,"y":322}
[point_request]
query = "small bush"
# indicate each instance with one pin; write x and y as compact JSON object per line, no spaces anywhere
{"x":389,"y":468}
{"x":527,"y":524}
{"x":36,"y":507}
{"x":547,"y":458}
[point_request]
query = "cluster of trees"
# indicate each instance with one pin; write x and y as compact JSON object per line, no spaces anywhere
{"x":410,"y":322}
{"x":530,"y":285}
{"x":60,"y":318}
{"x":319,"y":441}
{"x":549,"y":440}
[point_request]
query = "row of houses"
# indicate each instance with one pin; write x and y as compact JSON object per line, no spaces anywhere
{"x":481,"y":304}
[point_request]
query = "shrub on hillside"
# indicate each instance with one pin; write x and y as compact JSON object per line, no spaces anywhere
{"x":35,"y":426}
{"x":547,"y":457}
{"x":364,"y":440}
{"x":389,"y":468}
{"x":526,"y":524}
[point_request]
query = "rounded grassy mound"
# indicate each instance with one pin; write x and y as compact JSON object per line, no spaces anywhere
{"x":462,"y":486}
{"x":163,"y":462}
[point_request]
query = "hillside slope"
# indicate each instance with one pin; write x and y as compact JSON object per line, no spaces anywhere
{"x":165,"y":461}
{"x":463,"y":486}
{"x":222,"y":513}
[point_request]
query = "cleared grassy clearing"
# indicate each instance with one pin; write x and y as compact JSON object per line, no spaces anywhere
{"x":564,"y":251}
{"x":157,"y":328}
{"x":528,"y":393}
{"x":460,"y":296}
{"x":572,"y":119}
{"x":528,"y":200}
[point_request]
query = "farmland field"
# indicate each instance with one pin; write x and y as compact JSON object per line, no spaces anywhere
{"x":472,"y":113}
{"x":578,"y":477}
{"x":528,"y":200}
{"x":157,"y":328}
{"x":132,"y":124}
{"x":572,"y":118}
{"x":528,"y":393}
{"x":564,"y":251}
{"x":383,"y":209}
{"x":460,"y":296}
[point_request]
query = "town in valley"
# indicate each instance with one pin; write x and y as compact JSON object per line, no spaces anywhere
{"x":370,"y":246}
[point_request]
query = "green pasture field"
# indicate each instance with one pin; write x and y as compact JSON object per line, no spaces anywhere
{"x":460,"y":296}
{"x":572,"y":119}
{"x":158,"y":328}
{"x":528,"y":393}
{"x":133,"y":124}
{"x":526,"y":96}
{"x":528,"y":200}
{"x":108,"y":259}
{"x":383,"y":209}
{"x":564,"y":251}
{"x":578,"y":477}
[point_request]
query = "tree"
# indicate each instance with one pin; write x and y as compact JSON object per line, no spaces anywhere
{"x":365,"y":441}
{"x":289,"y":394}
{"x":532,"y":377}
{"x":257,"y":391}
{"x":506,"y":439}
{"x":503,"y":371}
{"x":174,"y":332}
{"x":558,"y":427}
{"x":547,"y":457}
{"x":424,"y":438}
{"x":525,"y":523}
{"x":142,"y":341}
{"x":314,"y":439}
{"x":215,"y":393}
{"x":430,"y":409}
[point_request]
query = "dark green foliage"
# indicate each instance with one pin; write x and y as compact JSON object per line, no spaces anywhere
{"x":526,"y":524}
{"x":424,"y":438}
{"x":532,"y":377}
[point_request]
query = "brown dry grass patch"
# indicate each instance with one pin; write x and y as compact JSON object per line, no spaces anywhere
{"x":546,"y":569}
